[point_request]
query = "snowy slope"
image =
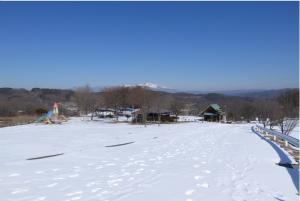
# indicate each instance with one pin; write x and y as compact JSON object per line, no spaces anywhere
{"x":295,"y":132}
{"x":174,"y":162}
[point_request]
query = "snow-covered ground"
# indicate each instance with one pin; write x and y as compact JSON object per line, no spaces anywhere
{"x":173,"y":162}
{"x":296,"y":132}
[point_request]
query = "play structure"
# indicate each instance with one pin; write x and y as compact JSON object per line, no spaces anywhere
{"x":52,"y":116}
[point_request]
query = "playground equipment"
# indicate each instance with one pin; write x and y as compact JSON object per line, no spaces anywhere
{"x":52,"y":116}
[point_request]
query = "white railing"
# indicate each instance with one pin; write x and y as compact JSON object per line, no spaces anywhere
{"x":288,"y":139}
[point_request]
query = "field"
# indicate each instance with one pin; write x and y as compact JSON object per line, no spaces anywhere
{"x":16,"y":120}
{"x":108,"y":161}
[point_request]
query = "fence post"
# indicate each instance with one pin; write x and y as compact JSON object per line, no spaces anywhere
{"x":286,"y":143}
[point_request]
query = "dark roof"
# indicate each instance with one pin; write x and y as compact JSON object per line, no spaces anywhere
{"x":215,"y":107}
{"x":105,"y":110}
{"x":154,"y":110}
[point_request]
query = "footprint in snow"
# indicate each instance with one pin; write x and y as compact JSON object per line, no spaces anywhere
{"x":207,"y":171}
{"x":96,"y":190}
{"x":203,"y":185}
{"x":112,"y":176}
{"x":51,"y":185}
{"x":90,"y":184}
{"x":195,"y":158}
{"x":73,"y":175}
{"x":73,"y":193}
{"x":17,"y":191}
{"x":65,"y":188}
{"x":198,"y":177}
{"x":39,"y":172}
{"x":40,"y":198}
{"x":99,"y":167}
{"x":125,"y":174}
{"x":14,"y":175}
{"x":189,"y":192}
{"x":58,"y":178}
{"x":110,"y":164}
{"x":75,"y":198}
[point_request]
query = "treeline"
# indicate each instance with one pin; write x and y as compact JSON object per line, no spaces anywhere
{"x":14,"y":101}
{"x":236,"y":108}
{"x":21,"y":101}
{"x":124,"y":97}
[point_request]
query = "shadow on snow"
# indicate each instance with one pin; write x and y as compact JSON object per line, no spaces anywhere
{"x":294,"y":173}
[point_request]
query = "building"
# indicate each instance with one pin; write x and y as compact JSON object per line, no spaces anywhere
{"x":104,"y":113}
{"x":127,"y":112}
{"x":213,"y":113}
{"x":154,"y":116}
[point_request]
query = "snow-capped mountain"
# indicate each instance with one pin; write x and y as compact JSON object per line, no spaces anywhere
{"x":152,"y":86}
{"x":147,"y":84}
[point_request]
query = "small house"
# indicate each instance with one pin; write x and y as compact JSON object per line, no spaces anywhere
{"x":213,"y":113}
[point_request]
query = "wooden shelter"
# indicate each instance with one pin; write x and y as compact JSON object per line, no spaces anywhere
{"x":154,"y":116}
{"x":213,"y":113}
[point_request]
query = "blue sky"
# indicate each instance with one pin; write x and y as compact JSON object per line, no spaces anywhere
{"x":182,"y":45}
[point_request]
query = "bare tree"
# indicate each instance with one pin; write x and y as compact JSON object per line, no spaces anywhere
{"x":160,"y":103}
{"x":84,"y":99}
{"x":267,"y":112}
{"x":143,"y":98}
{"x":286,"y":125}
{"x":116,"y":97}
{"x":290,"y":103}
{"x":176,"y":106}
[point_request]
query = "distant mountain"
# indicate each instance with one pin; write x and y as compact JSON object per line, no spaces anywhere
{"x":149,"y":85}
{"x":247,"y":93}
{"x":261,"y":94}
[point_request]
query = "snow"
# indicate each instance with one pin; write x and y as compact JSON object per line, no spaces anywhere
{"x":147,"y":84}
{"x":295,"y":132}
{"x":185,"y":161}
{"x":189,"y":118}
